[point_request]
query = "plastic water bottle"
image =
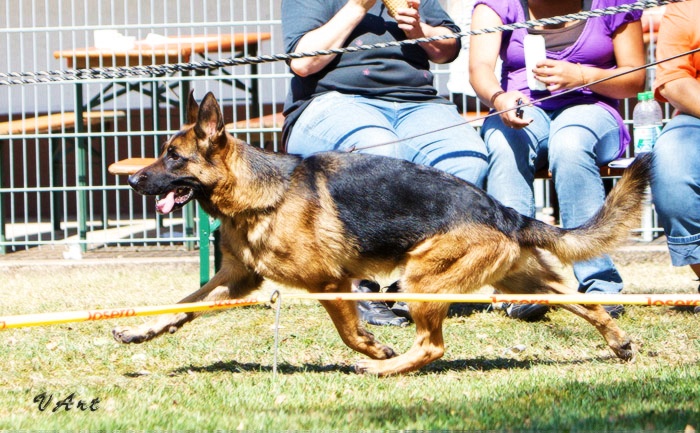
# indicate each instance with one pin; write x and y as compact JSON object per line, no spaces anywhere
{"x":648,"y":120}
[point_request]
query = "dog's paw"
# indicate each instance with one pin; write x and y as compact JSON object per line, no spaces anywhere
{"x":128,"y":335}
{"x":625,"y":351}
{"x":381,"y":367}
{"x":367,"y":366}
{"x":388,"y":352}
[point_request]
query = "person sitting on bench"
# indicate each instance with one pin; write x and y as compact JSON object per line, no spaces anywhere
{"x":675,"y":185}
{"x":574,"y":133}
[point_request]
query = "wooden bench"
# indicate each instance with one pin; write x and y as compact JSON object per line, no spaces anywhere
{"x":613,"y":169}
{"x":48,"y":124}
{"x":56,"y":122}
{"x":129,"y":165}
{"x":264,"y":131}
{"x":475,"y":118}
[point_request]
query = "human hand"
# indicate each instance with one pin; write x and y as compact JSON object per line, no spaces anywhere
{"x":409,"y":20}
{"x":508,"y":100}
{"x":558,"y":74}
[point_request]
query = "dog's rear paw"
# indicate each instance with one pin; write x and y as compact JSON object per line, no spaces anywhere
{"x":129,"y":335}
{"x":625,"y":351}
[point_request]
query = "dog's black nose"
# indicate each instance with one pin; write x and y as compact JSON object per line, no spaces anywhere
{"x":136,"y":178}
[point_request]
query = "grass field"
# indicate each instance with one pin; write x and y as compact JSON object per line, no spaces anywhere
{"x":216,"y":373}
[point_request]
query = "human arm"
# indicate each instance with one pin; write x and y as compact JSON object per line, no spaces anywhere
{"x":335,"y":32}
{"x":683,"y":94}
{"x":440,"y":51}
{"x":628,"y":47}
{"x":483,"y":54}
{"x":677,"y":76}
{"x":332,"y":34}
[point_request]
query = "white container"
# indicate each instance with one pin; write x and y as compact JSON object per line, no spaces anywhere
{"x":107,"y":39}
{"x":535,"y":52}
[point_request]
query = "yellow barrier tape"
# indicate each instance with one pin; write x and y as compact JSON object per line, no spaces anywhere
{"x":9,"y":322}
{"x":576,"y":298}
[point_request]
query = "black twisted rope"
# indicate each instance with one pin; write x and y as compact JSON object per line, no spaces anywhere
{"x":15,"y":78}
{"x":531,"y":103}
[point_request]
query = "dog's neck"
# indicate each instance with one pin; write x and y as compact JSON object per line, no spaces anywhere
{"x":262,"y":186}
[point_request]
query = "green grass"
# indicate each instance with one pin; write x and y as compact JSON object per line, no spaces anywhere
{"x":216,"y":373}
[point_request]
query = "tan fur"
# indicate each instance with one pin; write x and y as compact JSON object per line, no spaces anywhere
{"x":279,"y":221}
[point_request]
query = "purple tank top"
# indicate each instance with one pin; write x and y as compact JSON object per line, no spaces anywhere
{"x":593,"y":48}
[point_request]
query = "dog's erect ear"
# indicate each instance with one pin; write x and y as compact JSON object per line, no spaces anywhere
{"x":192,"y":108}
{"x":210,"y":122}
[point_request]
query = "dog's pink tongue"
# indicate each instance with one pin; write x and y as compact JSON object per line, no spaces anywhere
{"x":165,"y":205}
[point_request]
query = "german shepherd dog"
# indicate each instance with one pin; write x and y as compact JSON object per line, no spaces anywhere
{"x":318,"y":223}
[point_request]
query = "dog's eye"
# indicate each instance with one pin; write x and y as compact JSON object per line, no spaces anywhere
{"x":173,"y":155}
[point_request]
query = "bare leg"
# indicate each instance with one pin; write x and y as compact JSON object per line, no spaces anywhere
{"x":696,"y":268}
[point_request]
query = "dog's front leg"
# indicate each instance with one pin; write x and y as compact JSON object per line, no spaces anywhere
{"x":345,"y":318}
{"x":224,"y":285}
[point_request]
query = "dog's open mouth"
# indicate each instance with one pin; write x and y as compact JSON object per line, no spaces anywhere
{"x":174,"y":200}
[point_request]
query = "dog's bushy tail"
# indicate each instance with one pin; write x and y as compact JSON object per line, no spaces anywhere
{"x":608,"y":228}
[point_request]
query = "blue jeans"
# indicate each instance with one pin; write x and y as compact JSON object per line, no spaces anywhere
{"x":336,"y":121}
{"x":574,"y":141}
{"x":675,"y":187}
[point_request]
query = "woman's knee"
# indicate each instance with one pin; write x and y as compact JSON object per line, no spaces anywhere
{"x":585,"y":135}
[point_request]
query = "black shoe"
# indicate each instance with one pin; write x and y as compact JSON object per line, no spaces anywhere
{"x":376,"y":312}
{"x":463,"y":309}
{"x":535,"y":312}
{"x":615,"y":311}
{"x":526,"y":312}
{"x":399,"y":308}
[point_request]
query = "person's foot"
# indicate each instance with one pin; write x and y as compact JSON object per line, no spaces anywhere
{"x":615,"y":311}
{"x":399,"y":308}
{"x":376,"y":312}
{"x":535,"y":312}
{"x":463,"y":309}
{"x":526,"y":312}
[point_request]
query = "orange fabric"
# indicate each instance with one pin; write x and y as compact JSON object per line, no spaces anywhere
{"x":679,"y":32}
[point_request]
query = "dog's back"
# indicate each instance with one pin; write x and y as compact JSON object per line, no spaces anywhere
{"x":388,"y":205}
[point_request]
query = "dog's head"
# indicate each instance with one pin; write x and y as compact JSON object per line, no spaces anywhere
{"x":186,"y":168}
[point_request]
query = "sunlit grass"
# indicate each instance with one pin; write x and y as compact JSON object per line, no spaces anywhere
{"x":217,"y":372}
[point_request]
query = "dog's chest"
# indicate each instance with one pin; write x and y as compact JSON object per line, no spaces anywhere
{"x":251,"y":240}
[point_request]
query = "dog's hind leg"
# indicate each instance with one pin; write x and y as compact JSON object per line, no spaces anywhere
{"x":230,"y":282}
{"x":616,"y":338}
{"x":346,"y":320}
{"x":461,"y":261}
{"x":534,"y":275}
{"x":427,"y":347}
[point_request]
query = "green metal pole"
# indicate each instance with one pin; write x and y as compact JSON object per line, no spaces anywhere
{"x":81,"y":163}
